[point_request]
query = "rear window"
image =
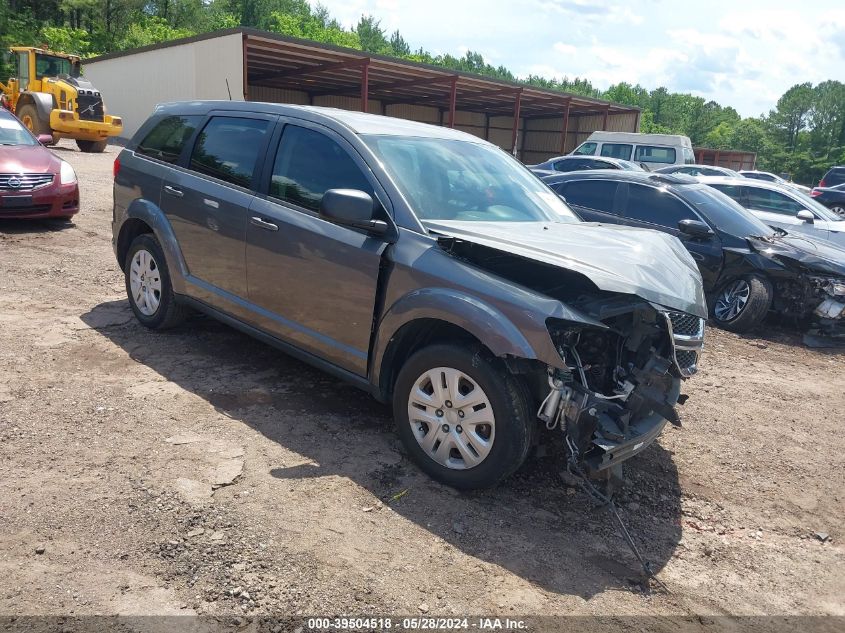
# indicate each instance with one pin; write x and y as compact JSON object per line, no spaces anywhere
{"x":227,"y":148}
{"x":655,"y":154}
{"x":166,"y":140}
{"x":585,"y":149}
{"x":835,"y":176}
{"x":617,"y":150}
{"x":592,"y":194}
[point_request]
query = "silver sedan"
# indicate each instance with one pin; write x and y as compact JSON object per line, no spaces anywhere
{"x":782,"y":207}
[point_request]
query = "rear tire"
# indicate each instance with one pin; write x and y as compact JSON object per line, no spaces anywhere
{"x":148,"y":286}
{"x":28,"y":115}
{"x":91,"y":147}
{"x":839,"y":210}
{"x":472,"y":438}
{"x":742,"y":303}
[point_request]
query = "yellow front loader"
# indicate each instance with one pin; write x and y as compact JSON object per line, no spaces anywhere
{"x":49,"y":96}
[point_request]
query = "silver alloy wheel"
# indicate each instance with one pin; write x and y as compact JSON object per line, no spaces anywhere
{"x":451,"y":418}
{"x":838,"y":210}
{"x":145,"y":282}
{"x":732,"y":300}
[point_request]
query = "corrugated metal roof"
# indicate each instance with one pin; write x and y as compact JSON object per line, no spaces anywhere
{"x":286,"y":63}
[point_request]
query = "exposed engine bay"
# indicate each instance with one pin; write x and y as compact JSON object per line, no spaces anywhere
{"x":620,"y":385}
{"x":622,"y":366}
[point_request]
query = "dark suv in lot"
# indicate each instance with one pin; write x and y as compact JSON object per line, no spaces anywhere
{"x":421,"y":264}
{"x":834,"y":177}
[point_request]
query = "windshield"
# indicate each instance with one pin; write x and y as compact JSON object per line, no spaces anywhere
{"x":724,"y":213}
{"x":446,"y":179}
{"x":13,"y":133}
{"x":52,"y":66}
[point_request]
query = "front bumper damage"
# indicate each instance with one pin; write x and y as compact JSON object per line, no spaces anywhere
{"x":828,"y":328}
{"x":620,"y":386}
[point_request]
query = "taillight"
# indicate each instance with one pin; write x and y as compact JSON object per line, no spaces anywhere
{"x":815,"y":192}
{"x":116,"y":167}
{"x":821,"y":183}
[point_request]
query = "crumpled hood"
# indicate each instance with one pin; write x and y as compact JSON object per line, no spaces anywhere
{"x":652,"y":265}
{"x":818,"y":256}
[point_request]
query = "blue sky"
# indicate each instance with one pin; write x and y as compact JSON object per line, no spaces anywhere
{"x":742,"y":53}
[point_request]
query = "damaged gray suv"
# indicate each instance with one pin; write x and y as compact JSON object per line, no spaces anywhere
{"x":422,"y":264}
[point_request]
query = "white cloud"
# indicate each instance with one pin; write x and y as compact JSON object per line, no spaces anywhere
{"x":564,"y":49}
{"x":740,"y":54}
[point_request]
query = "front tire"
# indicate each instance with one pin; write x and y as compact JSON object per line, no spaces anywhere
{"x":463,"y":417}
{"x":839,"y":210}
{"x":91,"y":147}
{"x":148,"y":285}
{"x":742,"y":303}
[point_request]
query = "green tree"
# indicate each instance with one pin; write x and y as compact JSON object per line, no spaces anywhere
{"x":790,"y":116}
{"x":371,"y":35}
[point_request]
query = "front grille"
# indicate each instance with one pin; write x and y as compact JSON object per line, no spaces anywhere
{"x":686,"y":324}
{"x":687,"y":360}
{"x":687,"y":340}
{"x":89,"y":107}
{"x":24,"y":182}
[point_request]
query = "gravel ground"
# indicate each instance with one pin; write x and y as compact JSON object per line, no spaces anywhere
{"x":198,"y":471}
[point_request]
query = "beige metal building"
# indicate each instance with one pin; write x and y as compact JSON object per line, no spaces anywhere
{"x":247,"y":64}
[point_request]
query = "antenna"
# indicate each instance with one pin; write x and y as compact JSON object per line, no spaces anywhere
{"x":227,"y":89}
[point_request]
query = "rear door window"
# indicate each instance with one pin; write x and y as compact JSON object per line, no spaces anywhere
{"x":228,"y":149}
{"x":655,"y":154}
{"x":166,"y":140}
{"x":592,"y":194}
{"x":309,"y":163}
{"x":585,"y":149}
{"x":617,"y":150}
{"x":656,"y":206}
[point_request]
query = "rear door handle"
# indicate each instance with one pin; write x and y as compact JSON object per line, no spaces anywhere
{"x":173,"y":191}
{"x":263,"y":224}
{"x":211,"y":203}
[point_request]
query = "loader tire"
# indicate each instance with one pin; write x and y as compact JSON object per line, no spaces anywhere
{"x":91,"y":147}
{"x":28,"y":115}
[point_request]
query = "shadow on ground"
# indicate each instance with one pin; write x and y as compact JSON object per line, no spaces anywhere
{"x":531,"y":525}
{"x":11,"y":226}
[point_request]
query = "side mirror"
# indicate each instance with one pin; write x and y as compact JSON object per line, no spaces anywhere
{"x":806,"y":216}
{"x":45,"y":139}
{"x":352,"y":208}
{"x":694,"y":228}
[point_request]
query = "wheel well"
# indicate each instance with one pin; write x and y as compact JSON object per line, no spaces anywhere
{"x":132,"y":228}
{"x":414,"y":336}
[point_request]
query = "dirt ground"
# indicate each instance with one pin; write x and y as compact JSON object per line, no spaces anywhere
{"x":199,"y":471}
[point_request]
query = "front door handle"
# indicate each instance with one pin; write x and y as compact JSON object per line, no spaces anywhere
{"x":173,"y":191}
{"x":263,"y":224}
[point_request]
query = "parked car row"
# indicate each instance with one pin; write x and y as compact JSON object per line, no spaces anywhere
{"x":748,"y":268}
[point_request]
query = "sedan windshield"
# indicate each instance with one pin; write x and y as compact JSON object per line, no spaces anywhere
{"x":13,"y":133}
{"x":725,"y":213}
{"x":446,"y":179}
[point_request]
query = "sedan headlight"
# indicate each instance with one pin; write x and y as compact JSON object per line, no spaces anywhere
{"x":67,"y":175}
